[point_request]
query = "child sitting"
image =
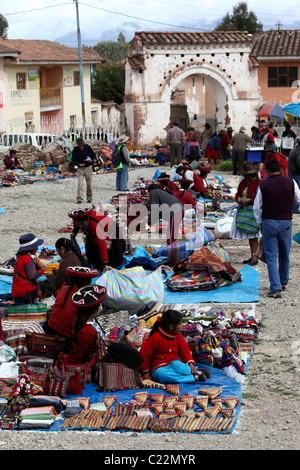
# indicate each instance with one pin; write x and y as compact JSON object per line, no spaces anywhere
{"x":166,"y":355}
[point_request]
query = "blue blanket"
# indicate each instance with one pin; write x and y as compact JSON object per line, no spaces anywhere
{"x":218,"y":378}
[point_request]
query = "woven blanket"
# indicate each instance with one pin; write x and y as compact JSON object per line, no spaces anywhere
{"x":113,"y":376}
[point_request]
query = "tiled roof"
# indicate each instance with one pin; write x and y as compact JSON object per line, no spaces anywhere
{"x":7,"y":50}
{"x":48,"y":51}
{"x":167,"y":38}
{"x":277,"y":43}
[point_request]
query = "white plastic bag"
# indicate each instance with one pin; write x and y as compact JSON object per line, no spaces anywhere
{"x":9,"y":370}
{"x":223,"y":227}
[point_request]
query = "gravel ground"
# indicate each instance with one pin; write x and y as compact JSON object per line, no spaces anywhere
{"x":269,"y":417}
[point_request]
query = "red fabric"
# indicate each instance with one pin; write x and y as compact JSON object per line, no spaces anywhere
{"x":97,"y":230}
{"x":62,"y":318}
{"x":162,"y":348}
{"x":20,"y":286}
{"x":84,"y":347}
{"x":281,"y":159}
{"x":251,"y":189}
{"x":74,"y":384}
{"x":186,"y":198}
{"x":198,"y":184}
{"x":211,"y":154}
{"x":225,"y":141}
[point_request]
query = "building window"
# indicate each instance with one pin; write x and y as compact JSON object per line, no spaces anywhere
{"x":282,"y":76}
{"x":76,"y":78}
{"x":21,"y":81}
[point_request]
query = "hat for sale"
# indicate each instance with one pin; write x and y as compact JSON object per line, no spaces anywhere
{"x":82,"y":271}
{"x":80,"y":213}
{"x":29,"y":242}
{"x":89,"y":296}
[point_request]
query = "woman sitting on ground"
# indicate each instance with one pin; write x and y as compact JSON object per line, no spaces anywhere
{"x":65,"y":249}
{"x":27,"y":269}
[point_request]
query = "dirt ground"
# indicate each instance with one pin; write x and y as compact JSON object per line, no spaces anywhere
{"x":269,"y":417}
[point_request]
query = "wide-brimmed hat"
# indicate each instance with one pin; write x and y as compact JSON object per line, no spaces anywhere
{"x":29,"y":242}
{"x":80,"y":213}
{"x":229,"y":129}
{"x":89,"y":296}
{"x":164,"y":176}
{"x":157,"y":143}
{"x":222,"y":132}
{"x":82,"y":271}
{"x":249,"y":169}
{"x":122,"y":139}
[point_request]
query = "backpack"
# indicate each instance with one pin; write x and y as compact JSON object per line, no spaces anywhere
{"x":115,"y":158}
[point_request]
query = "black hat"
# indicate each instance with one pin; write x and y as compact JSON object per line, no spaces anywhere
{"x":81,"y":213}
{"x":89,"y":296}
{"x":79,"y":141}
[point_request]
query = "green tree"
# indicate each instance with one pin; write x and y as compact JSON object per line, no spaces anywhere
{"x":3,"y":25}
{"x":240,"y":20}
{"x":109,"y":83}
{"x":114,"y":51}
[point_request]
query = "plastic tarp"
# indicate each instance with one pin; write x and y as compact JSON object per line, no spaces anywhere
{"x":218,"y":378}
{"x":293,"y":109}
{"x":246,"y":291}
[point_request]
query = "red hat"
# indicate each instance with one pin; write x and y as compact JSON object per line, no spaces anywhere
{"x":81,"y":271}
{"x":89,"y":296}
{"x":81,"y":213}
{"x":204,"y":170}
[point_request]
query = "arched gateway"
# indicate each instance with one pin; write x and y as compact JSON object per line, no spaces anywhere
{"x":194,"y":72}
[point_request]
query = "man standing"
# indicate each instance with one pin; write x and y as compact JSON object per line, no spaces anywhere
{"x":239,"y":146}
{"x":175,"y":139}
{"x":82,"y":157}
{"x":294,"y":169}
{"x":273,"y":209}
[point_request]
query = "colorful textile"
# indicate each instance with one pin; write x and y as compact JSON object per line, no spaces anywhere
{"x":114,"y":376}
{"x":22,"y":313}
{"x":192,"y":280}
{"x":245,"y":219}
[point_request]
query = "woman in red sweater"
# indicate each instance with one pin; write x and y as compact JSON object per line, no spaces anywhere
{"x":63,"y":313}
{"x":87,"y":342}
{"x":246,"y":193}
{"x":166,"y":355}
{"x":27,"y":269}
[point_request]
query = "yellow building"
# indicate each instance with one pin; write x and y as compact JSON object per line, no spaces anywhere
{"x":42,"y":91}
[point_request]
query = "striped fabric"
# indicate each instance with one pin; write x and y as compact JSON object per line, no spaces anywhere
{"x":245,"y":220}
{"x":27,"y":312}
{"x":131,"y":288}
{"x":113,"y":376}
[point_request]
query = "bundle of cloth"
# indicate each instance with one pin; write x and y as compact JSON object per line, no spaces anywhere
{"x":203,"y":270}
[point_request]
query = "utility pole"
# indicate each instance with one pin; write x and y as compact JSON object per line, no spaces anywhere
{"x":80,"y":69}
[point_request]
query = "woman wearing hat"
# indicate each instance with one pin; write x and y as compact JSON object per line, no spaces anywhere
{"x":162,"y":153}
{"x":63,"y":313}
{"x":103,"y":243}
{"x":87,"y":340}
{"x":166,"y":184}
{"x":245,"y":195}
{"x":27,"y":270}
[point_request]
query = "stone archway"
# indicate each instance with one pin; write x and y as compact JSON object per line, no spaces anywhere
{"x":162,"y":60}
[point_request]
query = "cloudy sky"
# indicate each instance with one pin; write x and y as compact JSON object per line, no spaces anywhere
{"x":55,"y":20}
